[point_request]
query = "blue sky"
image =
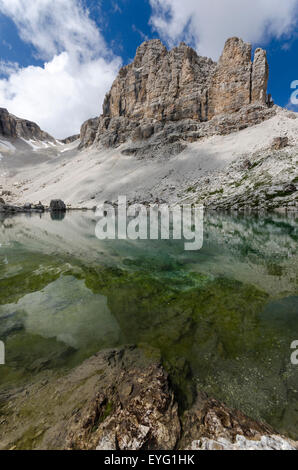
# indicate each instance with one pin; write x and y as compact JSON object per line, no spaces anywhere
{"x":59,"y":57}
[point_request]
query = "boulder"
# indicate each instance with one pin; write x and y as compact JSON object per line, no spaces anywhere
{"x":38,"y":207}
{"x":280,"y":143}
{"x":57,"y":206}
{"x":289,"y":188}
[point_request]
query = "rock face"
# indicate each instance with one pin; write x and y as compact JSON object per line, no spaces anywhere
{"x":13,"y":127}
{"x":161,"y":85}
{"x":179,"y":87}
{"x":71,"y":139}
{"x":237,"y":82}
{"x":7,"y":124}
{"x":210,"y":425}
{"x":88,"y":132}
{"x":259,"y":78}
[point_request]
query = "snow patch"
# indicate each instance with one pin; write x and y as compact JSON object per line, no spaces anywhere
{"x":38,"y":144}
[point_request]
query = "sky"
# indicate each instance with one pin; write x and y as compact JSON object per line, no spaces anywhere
{"x":58,"y":58}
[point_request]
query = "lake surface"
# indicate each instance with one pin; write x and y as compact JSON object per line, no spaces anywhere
{"x":222,"y":318}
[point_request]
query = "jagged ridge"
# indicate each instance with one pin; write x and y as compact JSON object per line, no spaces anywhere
{"x":14,"y":127}
{"x":162,"y":87}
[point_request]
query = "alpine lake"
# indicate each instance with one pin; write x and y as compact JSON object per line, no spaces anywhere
{"x":221,"y":319}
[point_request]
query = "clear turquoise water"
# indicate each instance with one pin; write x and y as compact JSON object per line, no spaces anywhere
{"x":222,"y":319}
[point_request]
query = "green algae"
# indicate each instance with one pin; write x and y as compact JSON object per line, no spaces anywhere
{"x":29,"y":440}
{"x":107,"y":411}
{"x":12,"y":289}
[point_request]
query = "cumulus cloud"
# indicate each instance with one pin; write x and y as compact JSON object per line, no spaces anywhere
{"x":78,"y":66}
{"x":207,"y":24}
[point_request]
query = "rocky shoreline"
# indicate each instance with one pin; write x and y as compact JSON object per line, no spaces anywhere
{"x":56,"y":206}
{"x":122,"y":399}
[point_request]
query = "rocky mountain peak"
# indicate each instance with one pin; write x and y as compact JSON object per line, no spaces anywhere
{"x":162,"y":86}
{"x":236,"y":51}
{"x":13,"y":127}
{"x":148,"y":51}
{"x":237,"y":81}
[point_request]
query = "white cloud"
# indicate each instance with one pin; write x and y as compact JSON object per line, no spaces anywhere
{"x":77,"y":72}
{"x":207,"y":24}
{"x":7,"y":68}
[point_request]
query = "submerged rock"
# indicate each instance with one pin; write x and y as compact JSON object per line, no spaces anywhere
{"x":118,"y":398}
{"x":121,"y":399}
{"x":11,"y":323}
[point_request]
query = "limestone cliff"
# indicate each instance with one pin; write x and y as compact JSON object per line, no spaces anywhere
{"x":13,"y":127}
{"x":161,"y":85}
{"x":237,"y":82}
{"x":178,"y":86}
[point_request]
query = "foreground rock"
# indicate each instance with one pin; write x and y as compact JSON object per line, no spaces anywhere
{"x":121,"y":399}
{"x":165,"y":93}
{"x":210,"y":425}
{"x":118,"y":398}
